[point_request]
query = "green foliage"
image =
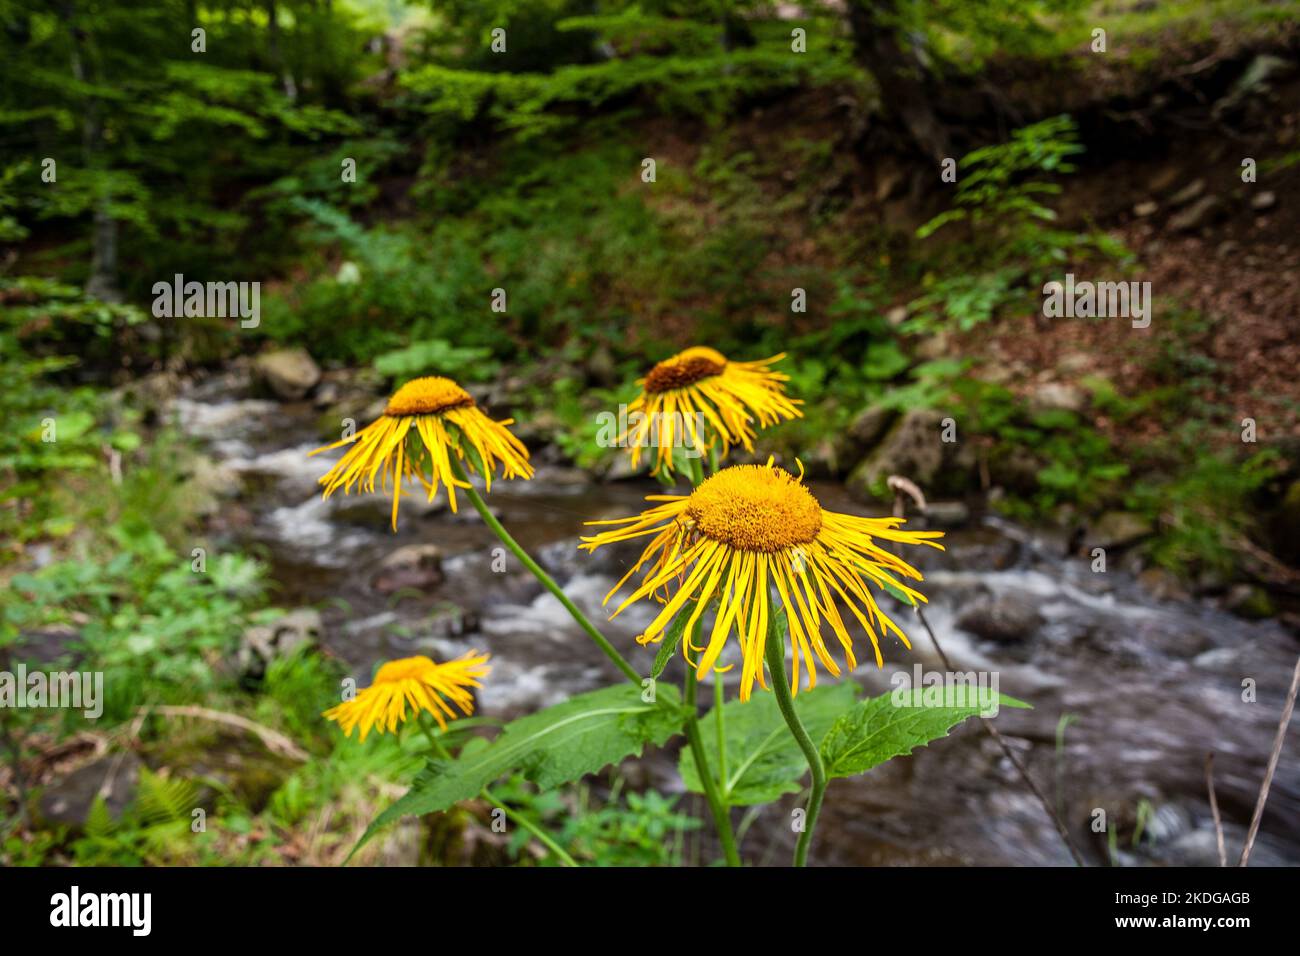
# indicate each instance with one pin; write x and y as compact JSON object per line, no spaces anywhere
{"x":1204,"y":512}
{"x":881,"y":728}
{"x":297,"y":688}
{"x":966,"y":35}
{"x":966,"y":299}
{"x":157,"y":138}
{"x":55,"y":427}
{"x":343,"y":776}
{"x":625,"y":828}
{"x":633,"y":832}
{"x":155,"y":828}
{"x":762,"y":760}
{"x":582,"y":735}
{"x":676,"y":60}
{"x":150,"y":623}
{"x":437,"y":357}
{"x":1001,"y":195}
{"x":550,"y":227}
{"x":996,"y":185}
{"x":1073,"y":461}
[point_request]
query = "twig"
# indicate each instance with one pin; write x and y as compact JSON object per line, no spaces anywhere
{"x":275,"y":741}
{"x":1214,"y":808}
{"x":902,"y":485}
{"x":1011,"y":755}
{"x":1200,"y":65}
{"x":1278,"y":573}
{"x":1272,"y":765}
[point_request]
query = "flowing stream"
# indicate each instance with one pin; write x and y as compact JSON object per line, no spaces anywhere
{"x":1147,"y":687}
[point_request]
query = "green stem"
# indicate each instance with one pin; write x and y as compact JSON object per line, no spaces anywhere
{"x":719,"y":722}
{"x":775,"y":653}
{"x":721,"y":812}
{"x":541,"y":835}
{"x":547,"y":581}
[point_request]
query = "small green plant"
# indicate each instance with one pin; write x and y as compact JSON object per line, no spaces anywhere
{"x":145,"y":617}
{"x":156,"y":827}
{"x":999,"y":186}
{"x":625,"y":828}
{"x":468,"y":363}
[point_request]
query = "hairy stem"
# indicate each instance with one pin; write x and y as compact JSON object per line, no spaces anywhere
{"x":721,"y":812}
{"x":775,"y":653}
{"x":547,"y":581}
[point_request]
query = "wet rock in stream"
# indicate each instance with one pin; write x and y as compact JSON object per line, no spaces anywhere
{"x":1006,"y":619}
{"x":414,"y":566}
{"x":264,"y":643}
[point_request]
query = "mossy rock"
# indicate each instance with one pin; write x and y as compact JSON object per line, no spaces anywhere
{"x":225,"y":762}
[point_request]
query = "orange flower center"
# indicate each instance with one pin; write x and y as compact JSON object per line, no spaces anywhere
{"x":685,"y":368}
{"x":427,"y":396}
{"x":405,"y":668}
{"x":755,"y":508}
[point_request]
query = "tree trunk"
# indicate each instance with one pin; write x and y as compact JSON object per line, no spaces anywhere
{"x":102,"y":281}
{"x":277,"y":57}
{"x":900,"y":75}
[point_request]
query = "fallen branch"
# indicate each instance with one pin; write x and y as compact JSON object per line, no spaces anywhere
{"x":275,"y":741}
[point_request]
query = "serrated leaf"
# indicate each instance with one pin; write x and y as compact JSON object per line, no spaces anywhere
{"x":895,"y":724}
{"x":579,"y":736}
{"x":763,"y":760}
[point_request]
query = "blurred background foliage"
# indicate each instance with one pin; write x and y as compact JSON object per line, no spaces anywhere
{"x":477,"y":171}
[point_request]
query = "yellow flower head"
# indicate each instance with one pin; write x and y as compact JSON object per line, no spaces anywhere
{"x":426,"y":686}
{"x":745,"y":531}
{"x":426,"y":421}
{"x":697,"y":398}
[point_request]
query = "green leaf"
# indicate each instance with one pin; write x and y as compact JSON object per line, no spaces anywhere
{"x":125,"y":441}
{"x":72,"y":425}
{"x":672,"y":637}
{"x":554,"y":746}
{"x":895,"y":724}
{"x":763,"y":761}
{"x":99,"y":821}
{"x":165,"y":799}
{"x":896,"y":593}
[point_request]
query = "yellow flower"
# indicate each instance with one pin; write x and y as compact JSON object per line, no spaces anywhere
{"x":746,"y":530}
{"x":697,"y":398}
{"x":425,"y":422}
{"x":419,"y":682}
